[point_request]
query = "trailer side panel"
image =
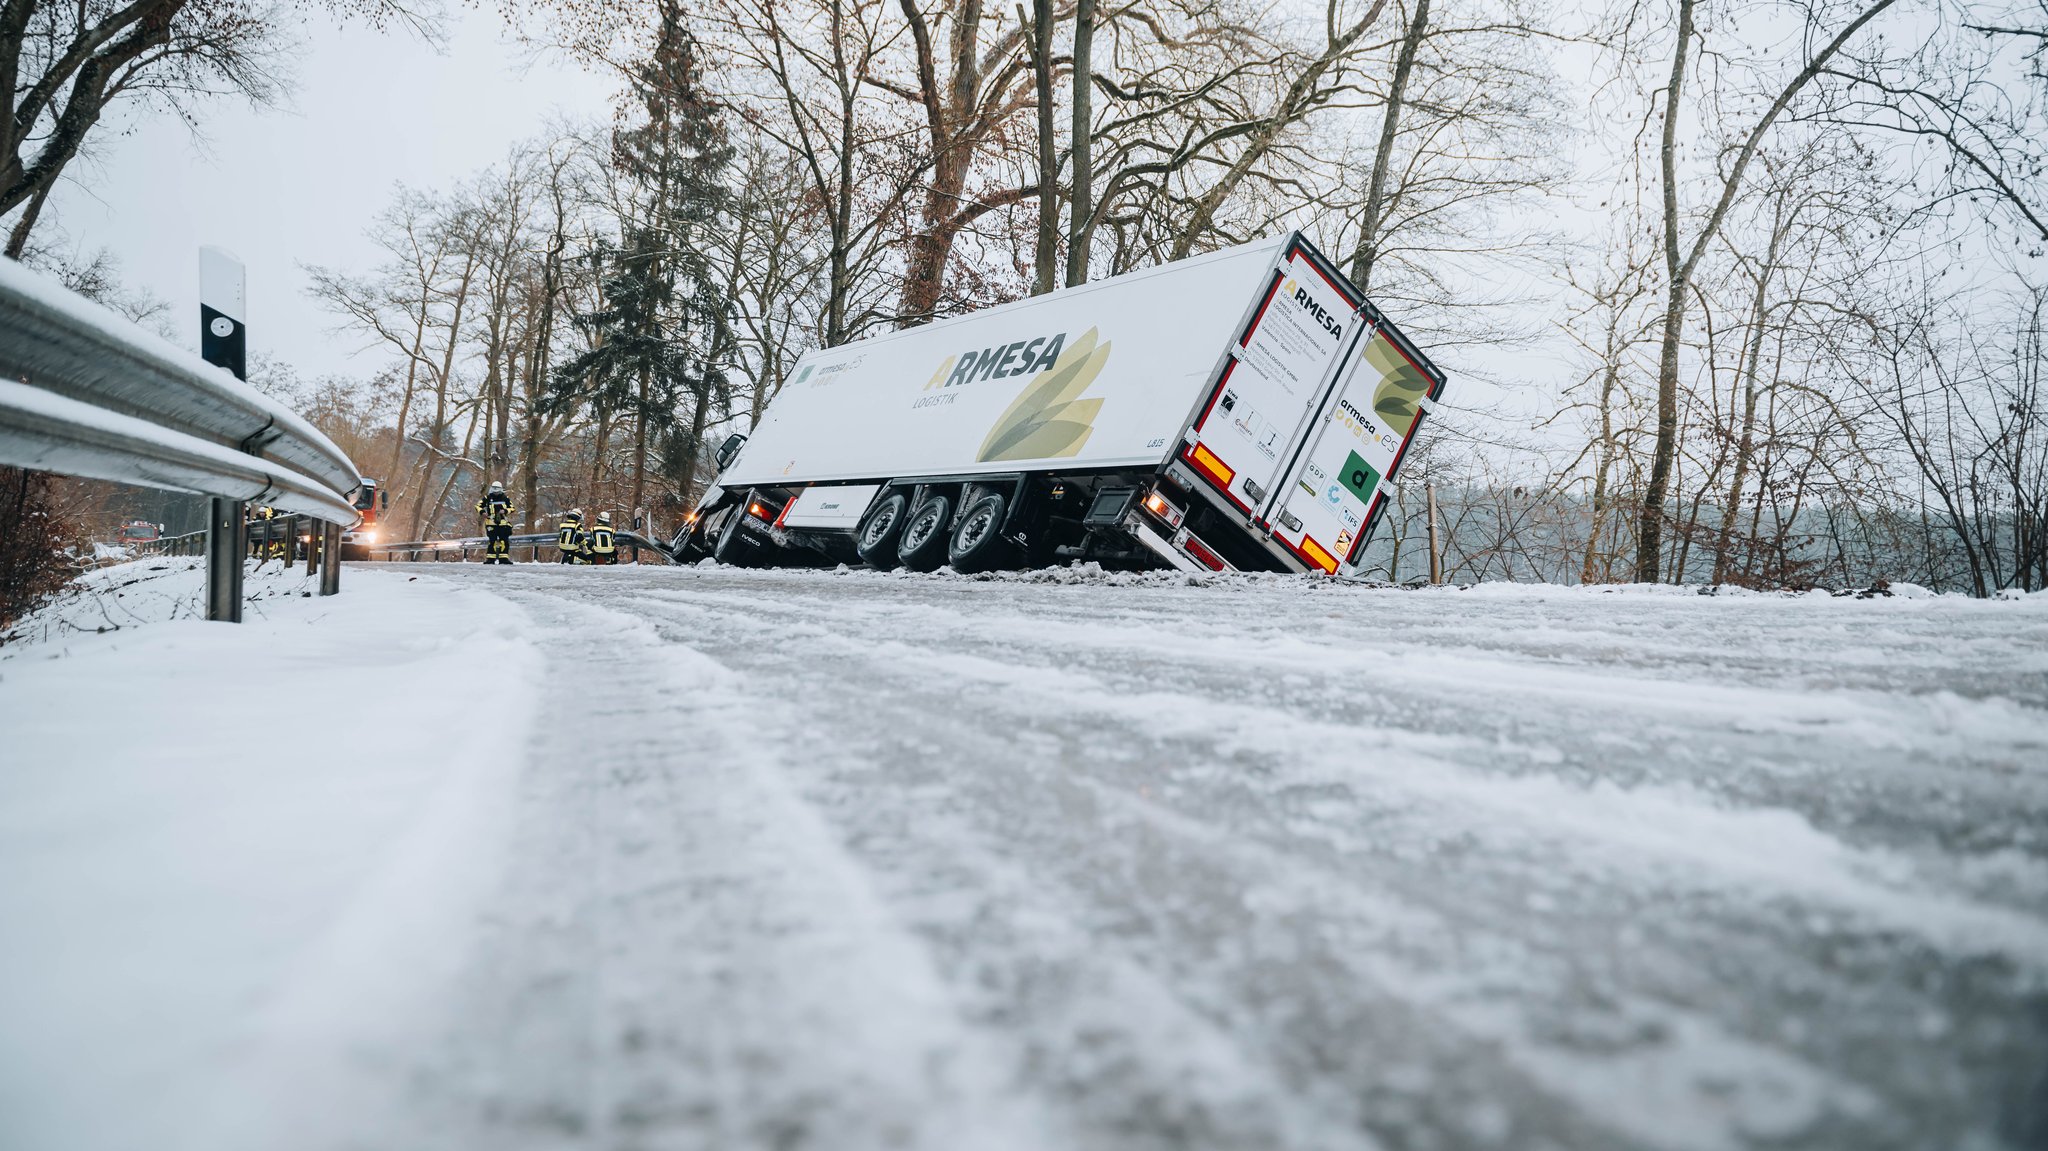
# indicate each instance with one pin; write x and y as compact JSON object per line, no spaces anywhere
{"x":1095,"y":377}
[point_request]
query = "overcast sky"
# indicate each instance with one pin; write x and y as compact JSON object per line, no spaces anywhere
{"x":297,"y":185}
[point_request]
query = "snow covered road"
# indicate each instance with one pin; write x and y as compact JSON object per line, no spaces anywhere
{"x":863,"y":861}
{"x":850,"y":861}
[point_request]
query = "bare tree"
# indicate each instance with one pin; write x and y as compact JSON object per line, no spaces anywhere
{"x":63,"y":65}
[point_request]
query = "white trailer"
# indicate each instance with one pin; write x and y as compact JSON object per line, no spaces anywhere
{"x":1242,"y":410}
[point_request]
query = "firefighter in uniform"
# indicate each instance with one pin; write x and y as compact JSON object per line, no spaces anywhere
{"x":604,"y":546}
{"x":496,"y":511}
{"x":569,"y":538}
{"x":272,"y":548}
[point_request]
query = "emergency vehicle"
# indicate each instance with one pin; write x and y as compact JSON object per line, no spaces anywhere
{"x":370,"y":501}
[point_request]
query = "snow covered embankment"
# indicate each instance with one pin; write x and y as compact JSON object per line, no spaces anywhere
{"x":236,"y":863}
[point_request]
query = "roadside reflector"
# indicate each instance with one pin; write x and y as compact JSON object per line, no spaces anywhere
{"x":1317,"y":555}
{"x":1213,"y":467}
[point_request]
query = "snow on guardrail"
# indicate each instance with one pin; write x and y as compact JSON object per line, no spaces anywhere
{"x":59,"y":342}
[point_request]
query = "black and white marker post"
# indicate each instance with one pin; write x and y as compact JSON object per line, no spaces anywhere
{"x":224,"y":342}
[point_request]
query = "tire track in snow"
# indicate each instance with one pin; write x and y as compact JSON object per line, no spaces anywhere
{"x":1147,"y":830}
{"x":1471,"y":1089}
{"x":684,"y":957}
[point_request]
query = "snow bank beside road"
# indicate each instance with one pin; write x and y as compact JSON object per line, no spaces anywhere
{"x":235,"y":862}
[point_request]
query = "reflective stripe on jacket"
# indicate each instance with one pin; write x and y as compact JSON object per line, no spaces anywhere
{"x":496,"y":510}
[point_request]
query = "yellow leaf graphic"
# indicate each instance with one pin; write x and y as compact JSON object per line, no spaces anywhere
{"x":1402,"y":385}
{"x":1047,"y":420}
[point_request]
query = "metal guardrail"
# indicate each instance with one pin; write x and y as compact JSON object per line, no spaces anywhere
{"x":262,"y":538}
{"x":101,"y":398}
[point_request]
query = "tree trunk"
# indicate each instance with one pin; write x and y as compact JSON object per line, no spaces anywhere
{"x":1603,"y":462}
{"x":1048,"y":254}
{"x":1367,"y":252}
{"x":17,"y":240}
{"x":537,"y":363}
{"x":1293,"y":104}
{"x":454,"y":474}
{"x":640,"y":447}
{"x":1745,"y":441}
{"x":693,"y":446}
{"x":839,"y":286}
{"x":1679,"y":270}
{"x":1081,"y":204}
{"x":412,"y":374}
{"x":1650,"y":534}
{"x":604,"y":434}
{"x":430,"y":460}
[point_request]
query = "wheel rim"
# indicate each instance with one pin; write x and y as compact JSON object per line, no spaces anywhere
{"x":976,"y":528}
{"x":878,"y":528}
{"x":921,"y":529}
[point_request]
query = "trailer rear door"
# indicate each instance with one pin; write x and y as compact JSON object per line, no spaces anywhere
{"x":1267,"y":390}
{"x":1339,"y":479}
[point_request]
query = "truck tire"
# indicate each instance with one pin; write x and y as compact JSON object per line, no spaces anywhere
{"x":879,"y":531}
{"x":923,"y":546}
{"x":977,"y":545}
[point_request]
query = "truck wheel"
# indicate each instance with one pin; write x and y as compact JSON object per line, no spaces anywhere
{"x":978,"y":544}
{"x":876,"y":541}
{"x":923,"y":547}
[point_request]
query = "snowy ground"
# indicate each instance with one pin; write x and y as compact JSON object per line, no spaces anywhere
{"x":860,"y":861}
{"x":232,"y":859}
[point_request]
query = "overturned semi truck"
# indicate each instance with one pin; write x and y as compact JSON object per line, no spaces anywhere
{"x":1243,"y":410}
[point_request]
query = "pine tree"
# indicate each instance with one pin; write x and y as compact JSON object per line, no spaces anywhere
{"x":662,"y":336}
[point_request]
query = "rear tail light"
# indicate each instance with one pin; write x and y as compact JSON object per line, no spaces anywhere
{"x":1160,"y":506}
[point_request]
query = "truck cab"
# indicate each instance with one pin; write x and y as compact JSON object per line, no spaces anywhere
{"x":370,"y":502}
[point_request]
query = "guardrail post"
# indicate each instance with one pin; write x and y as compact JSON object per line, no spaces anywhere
{"x":311,"y":553}
{"x":224,"y":548}
{"x":330,"y":559}
{"x":222,"y":341}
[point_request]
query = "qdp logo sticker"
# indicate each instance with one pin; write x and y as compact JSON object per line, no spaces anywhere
{"x":1360,"y":477}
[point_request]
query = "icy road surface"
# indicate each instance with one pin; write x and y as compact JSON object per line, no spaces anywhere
{"x":851,"y":860}
{"x":716,"y":860}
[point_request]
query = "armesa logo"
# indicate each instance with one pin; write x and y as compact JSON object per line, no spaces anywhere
{"x":1019,"y":359}
{"x":1355,"y":414}
{"x":1309,"y":305}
